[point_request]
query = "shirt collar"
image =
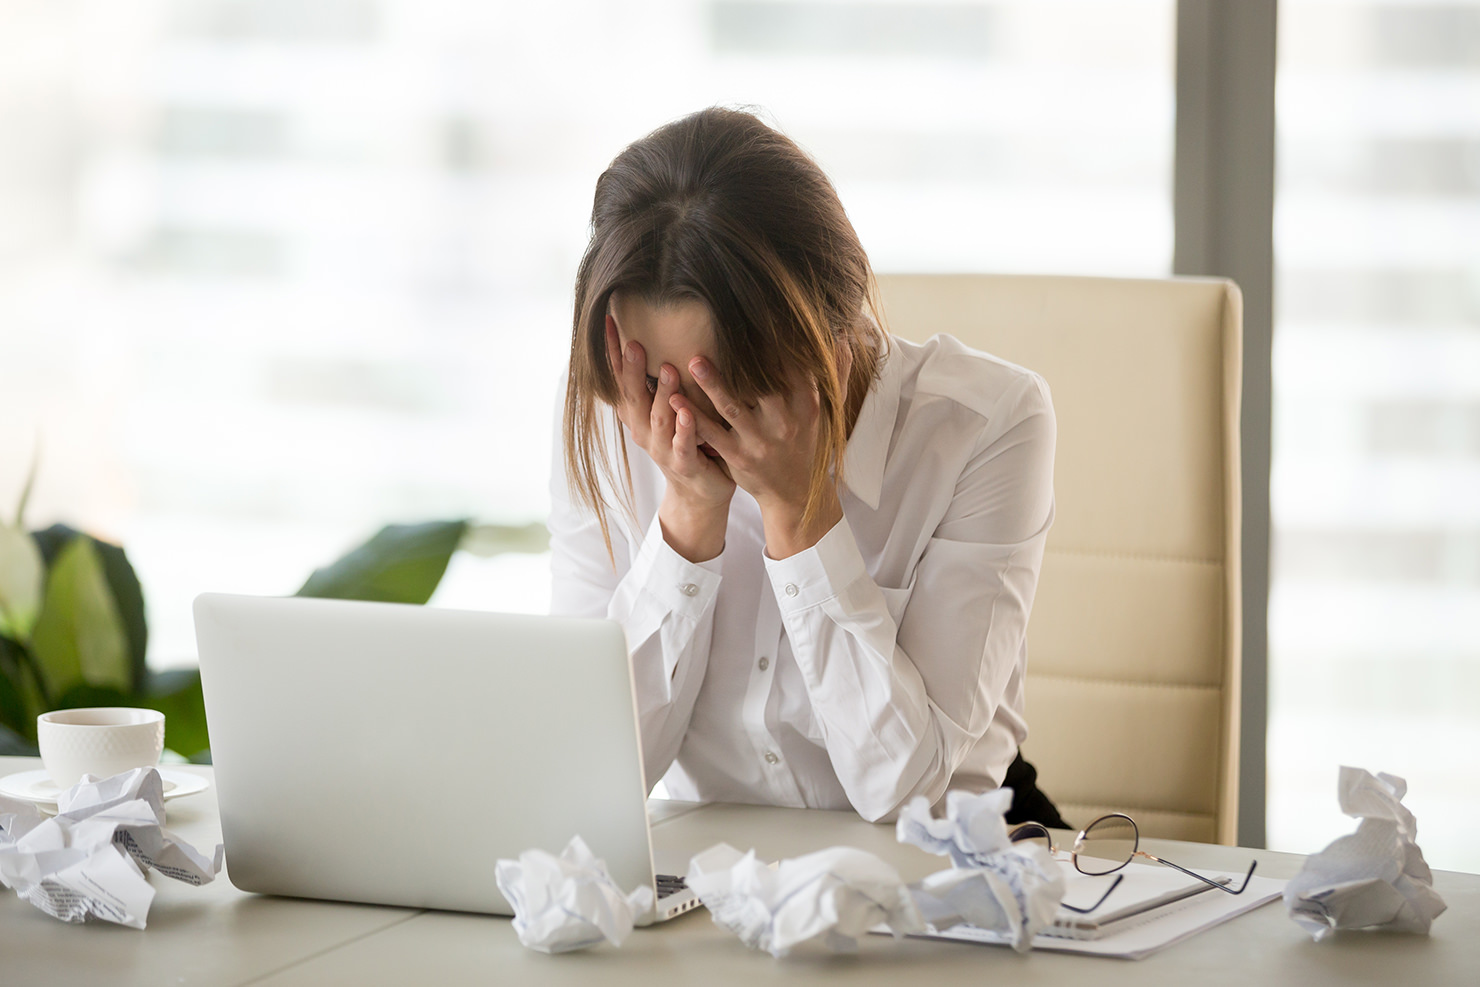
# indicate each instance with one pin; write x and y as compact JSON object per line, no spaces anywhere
{"x":868,"y":446}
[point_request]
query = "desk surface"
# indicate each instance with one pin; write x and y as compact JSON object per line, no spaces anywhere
{"x":219,"y":935}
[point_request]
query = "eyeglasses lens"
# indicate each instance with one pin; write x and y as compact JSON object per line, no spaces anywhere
{"x":1107,"y":845}
{"x":1031,"y":834}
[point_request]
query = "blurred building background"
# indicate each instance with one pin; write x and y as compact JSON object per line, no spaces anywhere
{"x":276,"y":272}
{"x":1374,"y":638}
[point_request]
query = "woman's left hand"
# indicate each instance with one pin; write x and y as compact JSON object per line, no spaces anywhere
{"x":769,"y":448}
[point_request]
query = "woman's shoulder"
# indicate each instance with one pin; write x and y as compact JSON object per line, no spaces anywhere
{"x":946,"y":369}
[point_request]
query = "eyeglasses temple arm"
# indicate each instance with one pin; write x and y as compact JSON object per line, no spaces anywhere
{"x":1205,"y":880}
{"x":1085,"y":911}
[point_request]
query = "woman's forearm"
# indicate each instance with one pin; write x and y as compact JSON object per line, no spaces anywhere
{"x":789,"y":532}
{"x":696,"y":532}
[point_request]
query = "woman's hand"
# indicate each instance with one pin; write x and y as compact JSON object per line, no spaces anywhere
{"x":768,"y":448}
{"x":696,"y":503}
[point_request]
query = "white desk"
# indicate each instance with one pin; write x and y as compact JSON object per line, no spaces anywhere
{"x":218,"y":935}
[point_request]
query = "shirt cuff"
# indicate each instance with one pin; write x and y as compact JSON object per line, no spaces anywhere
{"x":678,"y":585}
{"x":813,"y":577}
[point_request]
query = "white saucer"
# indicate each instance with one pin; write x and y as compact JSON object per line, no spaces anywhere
{"x":37,"y":786}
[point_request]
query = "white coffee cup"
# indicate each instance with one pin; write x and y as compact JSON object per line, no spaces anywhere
{"x":100,"y":741}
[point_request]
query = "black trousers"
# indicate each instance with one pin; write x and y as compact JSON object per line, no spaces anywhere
{"x":1029,"y":803}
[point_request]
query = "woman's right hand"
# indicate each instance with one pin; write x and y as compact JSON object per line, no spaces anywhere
{"x":696,"y":504}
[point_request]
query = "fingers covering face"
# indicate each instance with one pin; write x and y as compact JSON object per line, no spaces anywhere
{"x":722,"y":440}
{"x":685,"y":445}
{"x":628,"y":367}
{"x":725,"y":404}
{"x":662,"y":409}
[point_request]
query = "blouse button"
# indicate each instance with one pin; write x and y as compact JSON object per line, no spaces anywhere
{"x":689,"y":589}
{"x":765,"y":663}
{"x":791,"y":589}
{"x":771,"y":757}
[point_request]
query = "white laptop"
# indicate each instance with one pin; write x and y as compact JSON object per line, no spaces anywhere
{"x":383,"y":753}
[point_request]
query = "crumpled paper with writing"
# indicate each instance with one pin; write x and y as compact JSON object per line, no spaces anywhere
{"x":88,"y":860}
{"x":568,"y":902}
{"x":973,"y":829}
{"x":994,"y":883}
{"x":1375,"y":878}
{"x":835,"y":895}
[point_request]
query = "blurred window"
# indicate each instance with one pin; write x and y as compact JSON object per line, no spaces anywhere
{"x":1374,"y":641}
{"x":275,"y":272}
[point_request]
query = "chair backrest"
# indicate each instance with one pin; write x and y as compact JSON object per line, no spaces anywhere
{"x":1134,"y":641}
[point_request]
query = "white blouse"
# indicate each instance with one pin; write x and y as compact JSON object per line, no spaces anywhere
{"x":886,"y":661}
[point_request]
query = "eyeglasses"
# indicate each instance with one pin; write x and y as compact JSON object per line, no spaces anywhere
{"x":1107,"y":845}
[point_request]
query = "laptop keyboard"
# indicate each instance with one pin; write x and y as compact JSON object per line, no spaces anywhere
{"x":669,"y":884}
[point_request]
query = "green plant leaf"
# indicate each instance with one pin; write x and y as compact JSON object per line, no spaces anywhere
{"x":488,"y":540}
{"x":51,"y":542}
{"x":122,"y":581}
{"x":402,"y":564}
{"x":84,"y":695}
{"x":13,"y":711}
{"x":20,"y":507}
{"x":22,"y":577}
{"x":13,"y":744}
{"x":79,"y":637}
{"x":21,"y":700}
{"x":176,"y":693}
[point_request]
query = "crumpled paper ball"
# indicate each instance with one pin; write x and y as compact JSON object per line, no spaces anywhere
{"x":973,"y":829}
{"x":568,"y":902}
{"x":88,"y":861}
{"x":834,"y":896}
{"x":1012,"y":888}
{"x":1375,"y":878}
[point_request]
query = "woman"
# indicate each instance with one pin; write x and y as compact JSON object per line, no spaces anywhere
{"x":823,"y":542}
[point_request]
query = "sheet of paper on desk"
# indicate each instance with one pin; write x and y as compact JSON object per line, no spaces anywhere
{"x":1141,"y":890}
{"x":1161,"y":928}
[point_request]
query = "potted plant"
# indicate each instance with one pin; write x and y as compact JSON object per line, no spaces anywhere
{"x":73,"y":630}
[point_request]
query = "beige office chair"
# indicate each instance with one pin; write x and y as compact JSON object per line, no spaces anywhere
{"x":1133,"y":645}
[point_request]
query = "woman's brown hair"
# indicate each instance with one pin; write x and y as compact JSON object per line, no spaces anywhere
{"x":720,"y":208}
